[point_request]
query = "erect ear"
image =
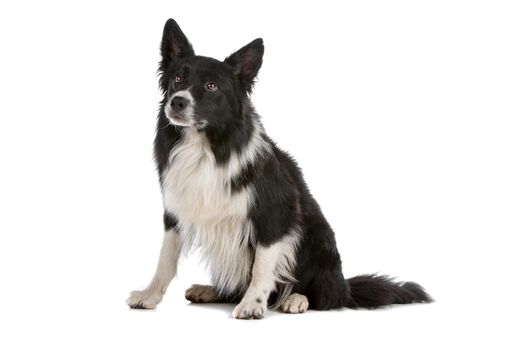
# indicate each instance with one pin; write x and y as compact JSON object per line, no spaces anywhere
{"x":246,"y":62}
{"x":174,"y":44}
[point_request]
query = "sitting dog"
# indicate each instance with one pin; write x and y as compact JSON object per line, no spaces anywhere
{"x":229,"y":190}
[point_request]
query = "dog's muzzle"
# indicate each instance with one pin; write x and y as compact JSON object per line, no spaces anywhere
{"x":179,"y":111}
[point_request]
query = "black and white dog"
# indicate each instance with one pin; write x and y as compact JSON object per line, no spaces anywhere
{"x":228,"y":189}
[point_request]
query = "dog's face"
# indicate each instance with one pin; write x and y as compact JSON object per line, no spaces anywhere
{"x":201,"y":91}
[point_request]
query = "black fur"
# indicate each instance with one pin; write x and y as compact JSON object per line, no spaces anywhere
{"x":170,"y":221}
{"x":371,"y":291}
{"x":283,"y":201}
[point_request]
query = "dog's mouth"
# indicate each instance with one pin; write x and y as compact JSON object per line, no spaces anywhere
{"x":179,"y":121}
{"x":183,"y":120}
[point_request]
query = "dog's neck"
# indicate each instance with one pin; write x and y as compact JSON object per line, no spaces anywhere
{"x":232,"y":137}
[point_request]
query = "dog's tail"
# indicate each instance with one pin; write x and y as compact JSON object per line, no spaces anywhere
{"x":372,"y":291}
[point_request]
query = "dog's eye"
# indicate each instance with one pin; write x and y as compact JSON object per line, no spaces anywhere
{"x":178,"y":79}
{"x":210,"y":86}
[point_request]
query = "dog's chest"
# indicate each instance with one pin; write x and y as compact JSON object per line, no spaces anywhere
{"x":196,"y":189}
{"x":210,"y":216}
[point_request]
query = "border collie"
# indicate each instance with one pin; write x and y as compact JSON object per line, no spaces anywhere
{"x":229,"y":190}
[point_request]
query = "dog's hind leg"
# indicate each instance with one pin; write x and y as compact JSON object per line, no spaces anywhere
{"x":295,"y":304}
{"x":166,"y":270}
{"x":199,"y":293}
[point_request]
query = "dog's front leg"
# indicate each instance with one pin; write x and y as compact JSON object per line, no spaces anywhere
{"x":254,"y":303}
{"x":166,"y":270}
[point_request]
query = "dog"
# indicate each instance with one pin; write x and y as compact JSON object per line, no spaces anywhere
{"x":229,"y":190}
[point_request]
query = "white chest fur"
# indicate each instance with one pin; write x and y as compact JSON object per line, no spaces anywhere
{"x":210,"y":216}
{"x":195,"y":189}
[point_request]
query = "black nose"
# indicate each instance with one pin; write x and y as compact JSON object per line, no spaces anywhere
{"x":179,"y":103}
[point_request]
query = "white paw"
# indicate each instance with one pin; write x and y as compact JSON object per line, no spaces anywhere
{"x":295,"y":303}
{"x":252,"y":308}
{"x":201,"y":294}
{"x":144,"y":299}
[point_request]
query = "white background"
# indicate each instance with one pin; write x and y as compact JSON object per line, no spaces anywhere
{"x":407,"y":117}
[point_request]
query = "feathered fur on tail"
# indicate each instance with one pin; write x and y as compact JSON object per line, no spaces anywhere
{"x":372,"y":291}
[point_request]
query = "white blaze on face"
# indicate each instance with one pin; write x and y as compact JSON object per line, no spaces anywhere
{"x":187,"y":116}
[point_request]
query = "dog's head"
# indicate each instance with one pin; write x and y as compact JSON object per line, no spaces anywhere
{"x":201,"y":91}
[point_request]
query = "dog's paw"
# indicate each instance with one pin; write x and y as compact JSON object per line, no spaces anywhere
{"x":144,"y":299}
{"x":253,"y":308}
{"x":201,"y":294}
{"x":295,"y":304}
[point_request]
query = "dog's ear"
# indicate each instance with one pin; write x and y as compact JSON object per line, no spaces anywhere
{"x":246,"y":62}
{"x":174,"y":44}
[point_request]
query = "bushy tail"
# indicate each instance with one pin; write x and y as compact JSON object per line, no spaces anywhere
{"x":372,"y":291}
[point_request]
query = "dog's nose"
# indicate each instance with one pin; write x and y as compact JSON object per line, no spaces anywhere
{"x":179,"y":103}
